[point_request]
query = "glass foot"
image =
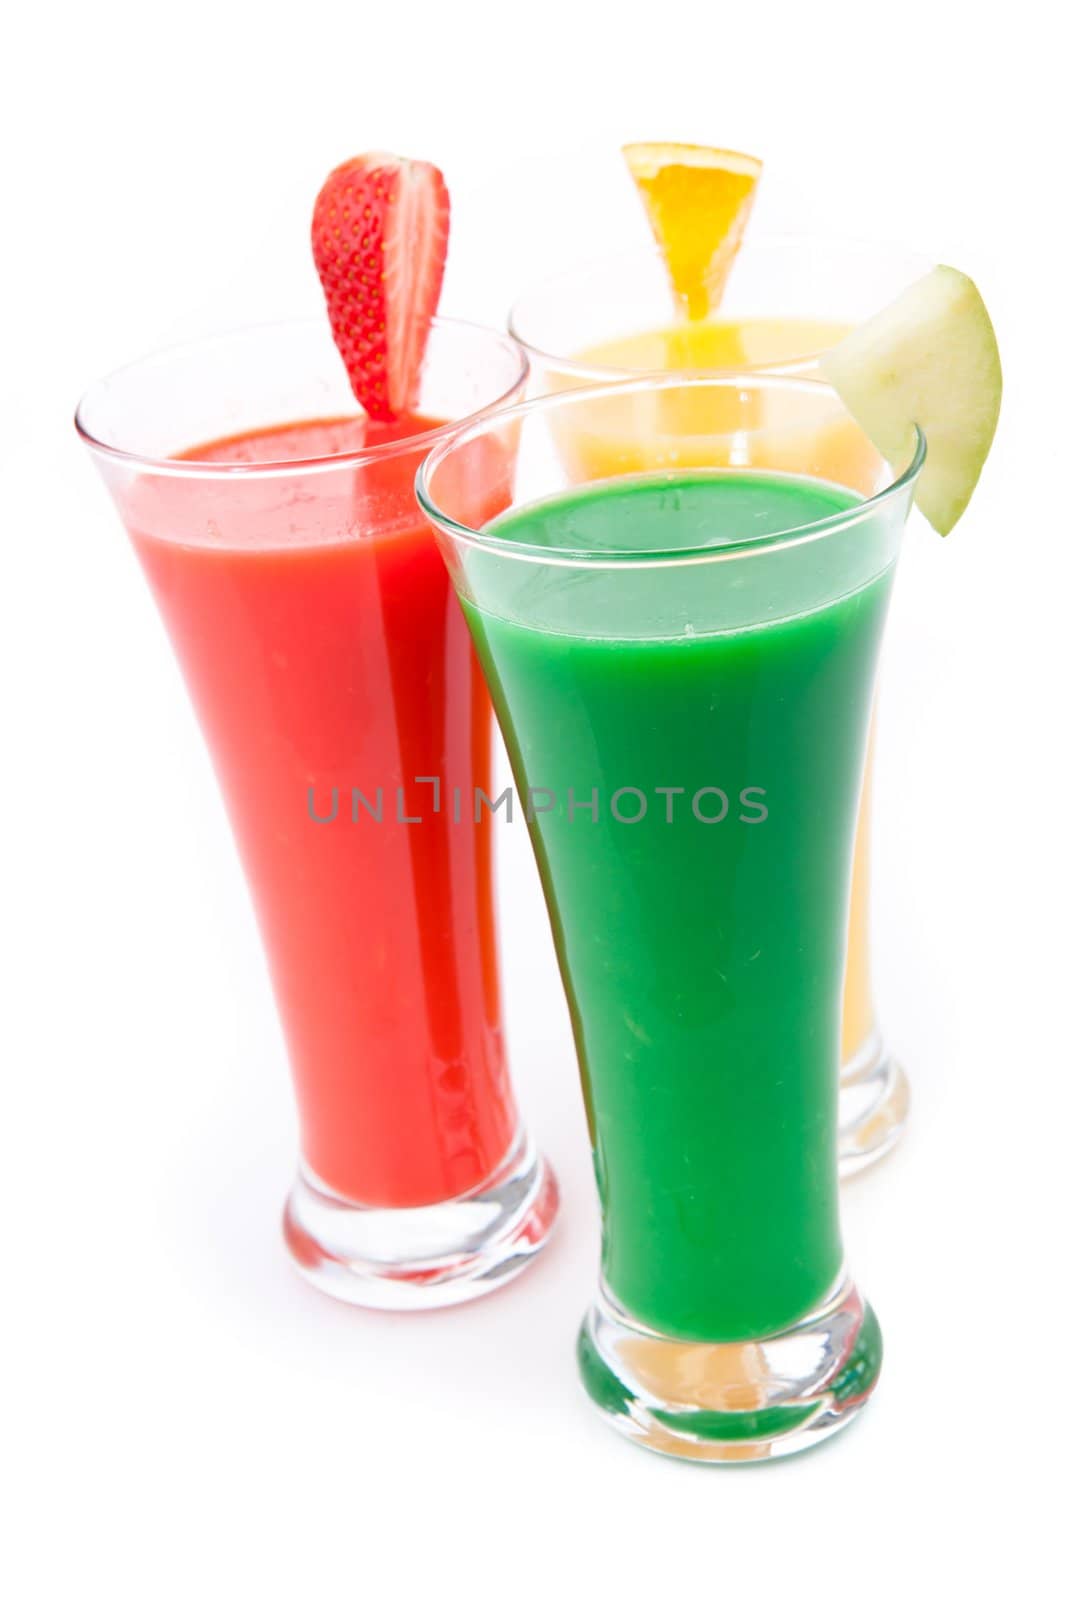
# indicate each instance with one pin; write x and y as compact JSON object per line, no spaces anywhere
{"x":747,"y":1401}
{"x":426,"y":1256}
{"x":873,"y":1106}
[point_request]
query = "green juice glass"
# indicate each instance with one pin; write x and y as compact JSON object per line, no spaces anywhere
{"x":682,"y":660}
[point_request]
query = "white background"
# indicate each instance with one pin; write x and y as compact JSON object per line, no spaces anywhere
{"x":180,"y":1414}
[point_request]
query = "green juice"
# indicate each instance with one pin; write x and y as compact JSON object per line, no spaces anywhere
{"x":718,"y":713}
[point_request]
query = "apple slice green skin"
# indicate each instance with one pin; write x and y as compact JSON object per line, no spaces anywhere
{"x":929,"y":359}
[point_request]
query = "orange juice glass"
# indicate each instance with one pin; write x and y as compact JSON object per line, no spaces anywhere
{"x":787,"y":300}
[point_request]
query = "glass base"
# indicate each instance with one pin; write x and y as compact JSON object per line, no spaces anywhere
{"x":740,"y":1402}
{"x":421,"y":1257}
{"x":873,"y":1106}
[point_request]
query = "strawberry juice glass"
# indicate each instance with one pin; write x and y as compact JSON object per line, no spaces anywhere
{"x":349,"y":725}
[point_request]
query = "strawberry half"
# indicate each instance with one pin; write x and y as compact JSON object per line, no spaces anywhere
{"x":379,"y":236}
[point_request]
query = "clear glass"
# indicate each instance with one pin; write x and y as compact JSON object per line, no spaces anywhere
{"x":335,"y":684}
{"x":786,"y":301}
{"x":687,"y":724}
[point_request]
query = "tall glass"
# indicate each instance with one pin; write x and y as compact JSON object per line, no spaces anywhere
{"x":335,"y":683}
{"x":682,"y":662}
{"x":786,"y":301}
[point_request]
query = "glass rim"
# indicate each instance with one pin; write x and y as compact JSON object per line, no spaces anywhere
{"x":648,"y":257}
{"x":170,"y":466}
{"x":516,"y":550}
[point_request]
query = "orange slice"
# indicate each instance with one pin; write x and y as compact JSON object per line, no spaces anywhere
{"x":698,"y":201}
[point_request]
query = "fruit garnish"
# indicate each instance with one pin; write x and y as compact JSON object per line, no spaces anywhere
{"x":698,"y":200}
{"x":379,"y":236}
{"x":929,"y":359}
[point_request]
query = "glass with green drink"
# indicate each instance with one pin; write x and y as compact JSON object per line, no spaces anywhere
{"x":682,"y":660}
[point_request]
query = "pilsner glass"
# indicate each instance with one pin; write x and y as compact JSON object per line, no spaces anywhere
{"x":682,"y":661}
{"x":337,"y":689}
{"x":786,"y":300}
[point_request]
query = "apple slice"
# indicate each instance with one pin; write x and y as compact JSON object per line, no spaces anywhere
{"x":931,"y":359}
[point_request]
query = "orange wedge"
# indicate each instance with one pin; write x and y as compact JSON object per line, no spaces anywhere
{"x":698,"y":201}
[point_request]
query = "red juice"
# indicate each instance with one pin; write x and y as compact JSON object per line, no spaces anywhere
{"x":325,"y":652}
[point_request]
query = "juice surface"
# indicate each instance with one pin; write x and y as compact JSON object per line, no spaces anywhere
{"x":703,"y":957}
{"x":718,"y":344}
{"x":324,"y":651}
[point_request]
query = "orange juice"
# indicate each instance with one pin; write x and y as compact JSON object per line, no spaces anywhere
{"x":716,"y":344}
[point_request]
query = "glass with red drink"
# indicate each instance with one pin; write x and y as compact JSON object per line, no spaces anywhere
{"x":349,"y":725}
